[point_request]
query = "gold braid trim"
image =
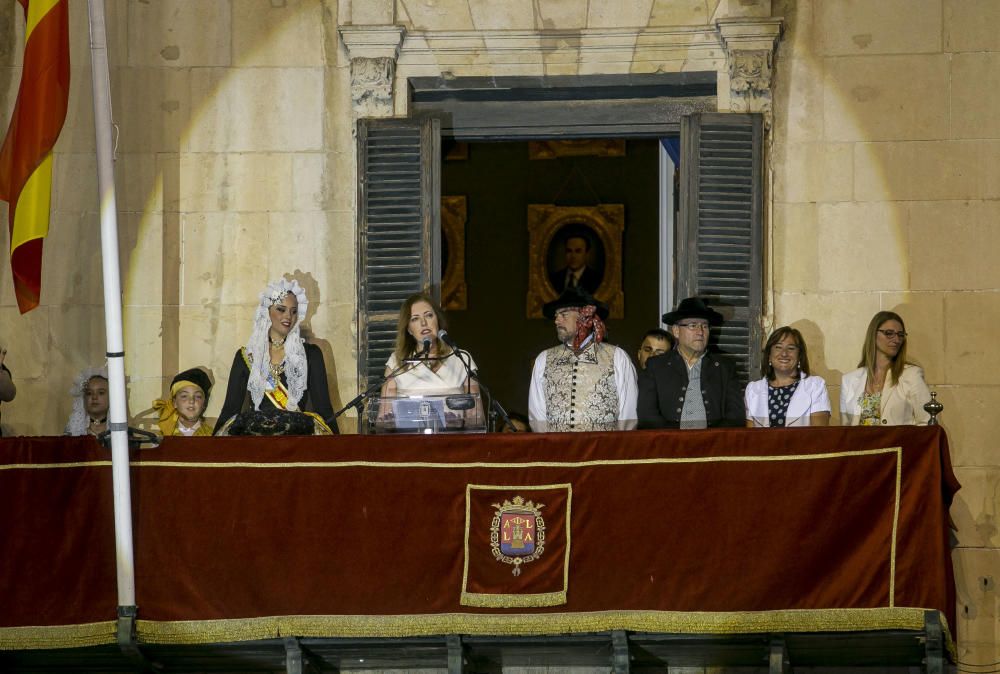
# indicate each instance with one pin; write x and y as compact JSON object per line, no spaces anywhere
{"x":57,"y":636}
{"x":513,"y":600}
{"x":538,"y":624}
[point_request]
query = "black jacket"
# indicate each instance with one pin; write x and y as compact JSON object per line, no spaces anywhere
{"x":316,"y":397}
{"x":663,"y":387}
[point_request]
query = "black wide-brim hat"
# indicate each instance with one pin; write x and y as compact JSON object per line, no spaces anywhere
{"x":693,"y":307}
{"x":574,"y":297}
{"x":197,"y":377}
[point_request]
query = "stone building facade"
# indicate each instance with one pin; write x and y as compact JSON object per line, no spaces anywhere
{"x":236,"y":163}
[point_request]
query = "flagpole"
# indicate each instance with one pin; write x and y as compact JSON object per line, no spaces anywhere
{"x":117,"y":420}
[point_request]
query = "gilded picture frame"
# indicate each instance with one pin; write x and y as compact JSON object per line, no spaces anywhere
{"x":454,"y":293}
{"x":596,"y":147}
{"x":595,"y":232}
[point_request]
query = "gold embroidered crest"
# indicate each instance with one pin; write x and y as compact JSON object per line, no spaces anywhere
{"x":517,"y":532}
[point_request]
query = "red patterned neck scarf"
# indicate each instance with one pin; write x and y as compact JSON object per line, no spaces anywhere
{"x":588,"y":322}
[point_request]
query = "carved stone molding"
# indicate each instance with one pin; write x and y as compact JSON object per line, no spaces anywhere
{"x":371,"y":86}
{"x":373,"y":51}
{"x":750,"y":44}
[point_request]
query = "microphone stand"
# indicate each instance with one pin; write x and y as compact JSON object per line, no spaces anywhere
{"x":359,"y":400}
{"x":496,"y":409}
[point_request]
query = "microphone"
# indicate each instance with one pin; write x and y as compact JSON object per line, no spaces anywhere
{"x":427,"y":347}
{"x":446,"y":338}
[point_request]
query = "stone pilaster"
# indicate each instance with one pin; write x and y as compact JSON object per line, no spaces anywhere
{"x":373,"y":51}
{"x":750,"y":44}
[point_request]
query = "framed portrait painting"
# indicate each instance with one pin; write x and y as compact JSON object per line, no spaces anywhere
{"x":575,"y":245}
{"x":454,"y":293}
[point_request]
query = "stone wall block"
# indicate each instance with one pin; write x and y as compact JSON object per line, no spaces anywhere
{"x":813,"y":172}
{"x":438,"y":14}
{"x":179,"y":33}
{"x":927,"y":171}
{"x":301,"y":236}
{"x":976,"y":579}
{"x":798,"y":98}
{"x":71,"y":265}
{"x":863,"y":246}
{"x":886,"y":98}
{"x":219,"y":247}
{"x":942,"y":232}
{"x":969,"y":417}
{"x":138,"y":183}
{"x":77,"y":134}
{"x":508,"y":15}
{"x":310,"y":182}
{"x":796,"y":246}
{"x":289,"y":33}
{"x":141,"y":253}
{"x":970,"y":25}
{"x":972,"y":319}
{"x":74,"y":182}
{"x":143,"y":346}
{"x":152,"y":107}
{"x":26,"y":339}
{"x":976,"y":510}
{"x":216,"y":332}
{"x":975,"y":88}
{"x":672,"y":13}
{"x":616,"y":14}
{"x":561,"y":14}
{"x":850,"y":27}
{"x":235,"y":182}
{"x":256,"y":110}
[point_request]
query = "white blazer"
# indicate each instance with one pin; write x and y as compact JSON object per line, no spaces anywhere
{"x":902,"y":404}
{"x":810,"y":397}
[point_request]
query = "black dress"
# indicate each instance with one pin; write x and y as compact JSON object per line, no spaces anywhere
{"x":316,"y":397}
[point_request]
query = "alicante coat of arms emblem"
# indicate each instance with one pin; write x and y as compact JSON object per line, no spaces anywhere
{"x":517,"y":532}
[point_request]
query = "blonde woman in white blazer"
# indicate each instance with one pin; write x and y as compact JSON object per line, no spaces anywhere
{"x":885,"y":390}
{"x":787,"y":395}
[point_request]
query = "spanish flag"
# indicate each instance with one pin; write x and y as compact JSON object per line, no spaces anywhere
{"x":26,"y":156}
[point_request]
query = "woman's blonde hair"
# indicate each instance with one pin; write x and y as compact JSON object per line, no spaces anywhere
{"x":868,"y":351}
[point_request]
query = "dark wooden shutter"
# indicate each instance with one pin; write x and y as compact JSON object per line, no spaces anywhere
{"x":720,"y":233}
{"x":399,"y":213}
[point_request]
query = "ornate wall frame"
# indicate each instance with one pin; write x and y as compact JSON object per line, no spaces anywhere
{"x":545,"y":222}
{"x":454,"y":293}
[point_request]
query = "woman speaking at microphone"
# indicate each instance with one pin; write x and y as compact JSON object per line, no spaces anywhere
{"x":423,"y":363}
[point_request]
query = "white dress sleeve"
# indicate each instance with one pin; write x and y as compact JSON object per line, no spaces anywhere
{"x":628,"y":390}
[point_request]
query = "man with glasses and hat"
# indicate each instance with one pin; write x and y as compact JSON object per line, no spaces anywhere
{"x":583,"y":384}
{"x":689,"y":387}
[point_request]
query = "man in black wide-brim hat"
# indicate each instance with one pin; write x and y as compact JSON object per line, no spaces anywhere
{"x":584,"y":383}
{"x":689,"y":387}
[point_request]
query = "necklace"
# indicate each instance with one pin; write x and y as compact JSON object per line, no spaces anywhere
{"x":277,"y":369}
{"x":277,"y":343}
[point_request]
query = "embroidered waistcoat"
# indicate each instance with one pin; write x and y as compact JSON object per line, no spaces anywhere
{"x":580,"y":390}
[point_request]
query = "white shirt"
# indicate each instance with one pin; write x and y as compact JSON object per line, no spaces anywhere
{"x":419,"y":379}
{"x":625,"y":383}
{"x":810,"y":397}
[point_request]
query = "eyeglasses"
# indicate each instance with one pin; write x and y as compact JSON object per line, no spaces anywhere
{"x":693,"y":326}
{"x":889,"y":334}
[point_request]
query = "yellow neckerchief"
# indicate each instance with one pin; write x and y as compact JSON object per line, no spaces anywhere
{"x":279,"y":394}
{"x":169,"y":417}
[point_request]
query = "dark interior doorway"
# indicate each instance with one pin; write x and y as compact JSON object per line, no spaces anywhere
{"x":499,"y":181}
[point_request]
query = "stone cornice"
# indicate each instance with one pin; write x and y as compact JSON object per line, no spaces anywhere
{"x":750,"y":33}
{"x":588,"y":39}
{"x":373,"y":41}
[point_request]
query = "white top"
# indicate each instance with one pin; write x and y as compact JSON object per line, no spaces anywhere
{"x":625,"y":382}
{"x":902,"y":404}
{"x":810,"y":397}
{"x":420,"y":379}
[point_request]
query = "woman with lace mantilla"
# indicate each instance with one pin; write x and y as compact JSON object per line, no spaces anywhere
{"x":277,"y":371}
{"x":90,"y":403}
